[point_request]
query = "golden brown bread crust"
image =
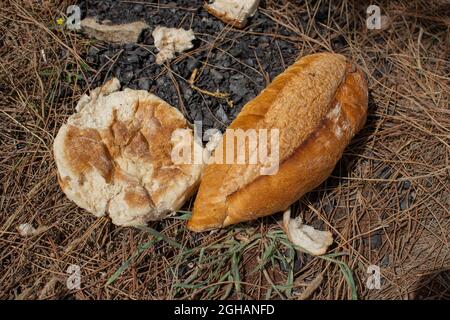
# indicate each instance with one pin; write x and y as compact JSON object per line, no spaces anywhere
{"x":328,"y":97}
{"x":114,"y":157}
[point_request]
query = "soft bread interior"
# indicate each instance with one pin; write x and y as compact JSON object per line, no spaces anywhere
{"x":298,"y":103}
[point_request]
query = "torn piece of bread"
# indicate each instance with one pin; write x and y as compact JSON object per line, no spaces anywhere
{"x":118,"y":33}
{"x":305,"y":237}
{"x":114,"y":156}
{"x":318,"y":104}
{"x":234,"y":12}
{"x":170,"y":41}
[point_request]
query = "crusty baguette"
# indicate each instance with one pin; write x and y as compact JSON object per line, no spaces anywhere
{"x":318,"y":104}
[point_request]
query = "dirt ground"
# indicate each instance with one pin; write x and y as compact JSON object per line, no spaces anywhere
{"x":387,"y":202}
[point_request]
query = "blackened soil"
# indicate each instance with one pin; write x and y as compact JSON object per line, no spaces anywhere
{"x":228,"y":61}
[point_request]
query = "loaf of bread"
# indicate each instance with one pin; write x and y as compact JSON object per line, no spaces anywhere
{"x":114,"y":156}
{"x":318,"y":104}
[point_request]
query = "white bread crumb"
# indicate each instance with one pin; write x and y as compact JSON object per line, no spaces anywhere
{"x":170,"y":41}
{"x":234,"y":10}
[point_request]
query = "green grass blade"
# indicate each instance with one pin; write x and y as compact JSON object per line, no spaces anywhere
{"x":186,"y":215}
{"x":163,"y":237}
{"x":141,"y":248}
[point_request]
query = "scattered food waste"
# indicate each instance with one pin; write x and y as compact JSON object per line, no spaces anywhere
{"x":117,"y":33}
{"x":234,"y":12}
{"x":305,"y":237}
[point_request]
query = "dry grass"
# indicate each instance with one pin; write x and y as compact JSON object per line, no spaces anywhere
{"x":387,"y":202}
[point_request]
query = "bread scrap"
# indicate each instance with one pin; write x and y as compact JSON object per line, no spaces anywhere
{"x":234,"y":12}
{"x":305,"y":237}
{"x":118,"y":33}
{"x":318,"y":104}
{"x":114,"y":156}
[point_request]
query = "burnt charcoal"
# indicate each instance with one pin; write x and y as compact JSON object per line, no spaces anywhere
{"x":238,"y":85}
{"x":236,"y":52}
{"x":133,"y":85}
{"x":91,"y":60}
{"x":130,"y":46}
{"x":161,"y":82}
{"x":133,"y":59}
{"x":150,"y":59}
{"x":137,"y":8}
{"x":141,"y":52}
{"x":192,"y":64}
{"x":187,"y":93}
{"x":103,"y":6}
{"x":104,"y":59}
{"x":195,"y":112}
{"x":126,"y":76}
{"x":208,"y":22}
{"x":264,"y":39}
{"x":226,"y":64}
{"x":126,"y":66}
{"x":249,"y":62}
{"x":144,"y":84}
{"x":207,"y":120}
{"x":146,"y":37}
